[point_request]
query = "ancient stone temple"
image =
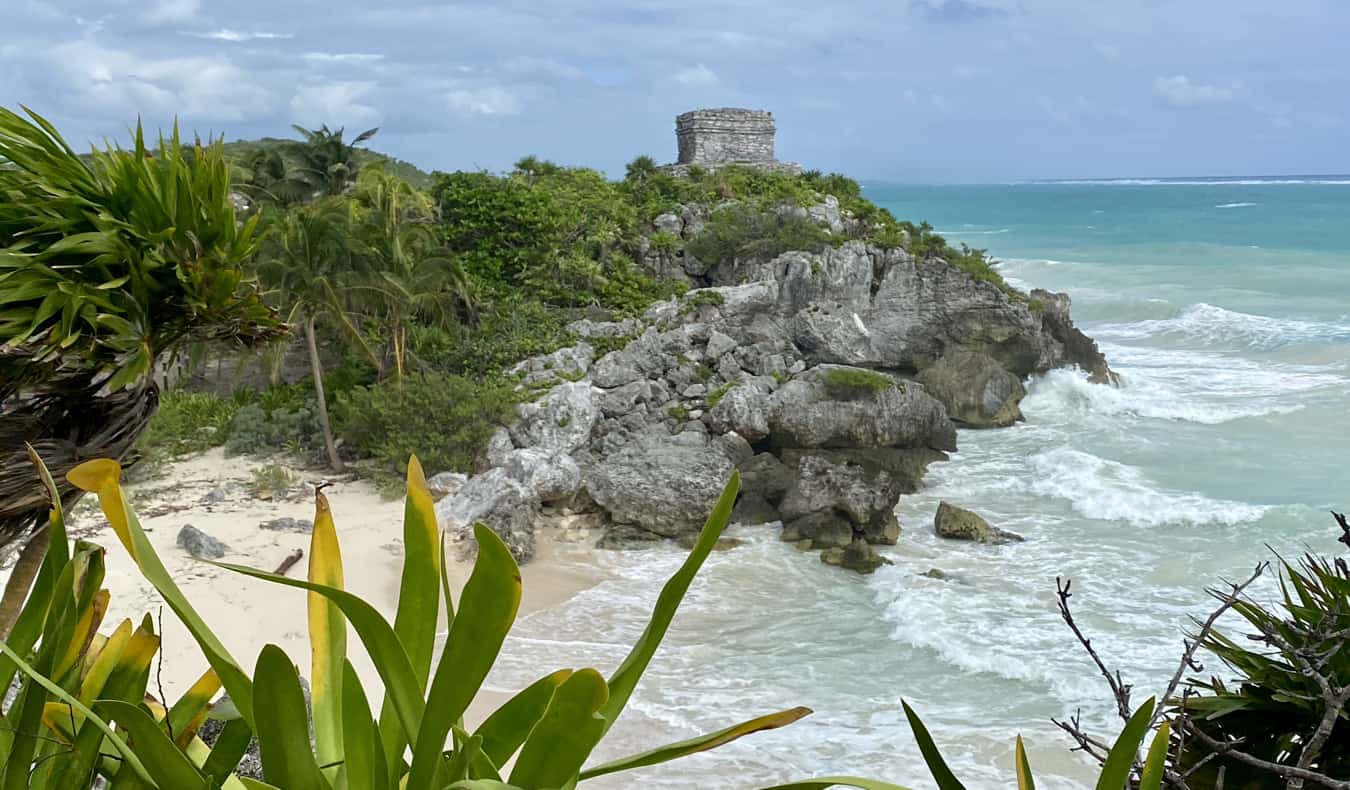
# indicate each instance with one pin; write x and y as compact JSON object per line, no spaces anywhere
{"x":711,"y":138}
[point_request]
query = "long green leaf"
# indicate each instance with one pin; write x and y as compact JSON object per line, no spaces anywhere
{"x":507,"y":728}
{"x":487,"y":609}
{"x":230,"y":746}
{"x":103,"y":477}
{"x":376,"y":634}
{"x":1025,"y":781}
{"x":327,"y":637}
{"x":1156,"y":763}
{"x":130,"y":759}
{"x":702,"y":743}
{"x":946,"y":780}
{"x":562,"y":740}
{"x":1120,"y":760}
{"x":625,"y":679}
{"x":167,"y":764}
{"x":283,"y":724}
{"x":363,"y":765}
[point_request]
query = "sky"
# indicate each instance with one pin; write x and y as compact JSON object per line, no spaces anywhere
{"x":921,"y":91}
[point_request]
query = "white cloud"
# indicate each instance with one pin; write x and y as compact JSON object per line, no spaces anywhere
{"x":544,"y":67}
{"x":491,"y":100}
{"x":161,"y":11}
{"x":1180,"y":91}
{"x":196,"y":88}
{"x":226,"y":34}
{"x":333,"y":103}
{"x":343,"y":57}
{"x":697,"y":76}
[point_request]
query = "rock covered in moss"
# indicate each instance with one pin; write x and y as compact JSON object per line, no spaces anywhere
{"x":857,"y":556}
{"x":976,"y":391}
{"x":958,"y":523}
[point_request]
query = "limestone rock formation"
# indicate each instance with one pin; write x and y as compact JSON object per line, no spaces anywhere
{"x":958,"y":523}
{"x":976,"y":391}
{"x":503,"y":504}
{"x":199,"y":544}
{"x":664,"y":486}
{"x":839,"y":406}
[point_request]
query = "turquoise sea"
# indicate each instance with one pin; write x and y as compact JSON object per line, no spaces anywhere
{"x":1225,"y":306}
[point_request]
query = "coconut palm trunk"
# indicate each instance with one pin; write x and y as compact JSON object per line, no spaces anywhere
{"x":316,"y":367}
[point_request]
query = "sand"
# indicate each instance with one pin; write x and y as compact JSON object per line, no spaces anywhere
{"x":211,"y":492}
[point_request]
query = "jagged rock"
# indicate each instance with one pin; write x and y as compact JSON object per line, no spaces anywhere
{"x":824,"y":529}
{"x":719,"y":344}
{"x":670,"y":223}
{"x":215,"y":496}
{"x":856,"y":556}
{"x":735,"y":447}
{"x":694,"y":391}
{"x":903,"y":467}
{"x":287,"y":524}
{"x":561,"y":421}
{"x":551,"y":476}
{"x":606,"y":329}
{"x":626,"y":537}
{"x":622,"y":400}
{"x":494,"y":498}
{"x":752,"y":509}
{"x":765,"y":475}
{"x":936,"y":573}
{"x":199,"y":544}
{"x":975,"y":390}
{"x":568,"y":363}
{"x":446,"y":484}
{"x":865,"y":496}
{"x":813,"y":410}
{"x":728,"y":368}
{"x":499,"y":446}
{"x":664,"y":486}
{"x":958,"y":523}
{"x":1079,"y":349}
{"x":744,"y":409}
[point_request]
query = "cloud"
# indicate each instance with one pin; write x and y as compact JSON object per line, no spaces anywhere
{"x":1179,"y":91}
{"x":956,"y":10}
{"x":491,"y":100}
{"x":164,"y":11}
{"x":129,"y":84}
{"x":333,"y":103}
{"x":699,"y":76}
{"x":226,"y":34}
{"x":343,"y":57}
{"x":543,"y":67}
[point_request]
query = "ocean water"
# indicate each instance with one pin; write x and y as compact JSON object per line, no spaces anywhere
{"x":1225,"y":307}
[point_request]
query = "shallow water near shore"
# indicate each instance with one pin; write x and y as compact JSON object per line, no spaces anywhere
{"x":1224,"y":305}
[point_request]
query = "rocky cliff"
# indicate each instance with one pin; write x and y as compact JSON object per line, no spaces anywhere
{"x":830,"y":379}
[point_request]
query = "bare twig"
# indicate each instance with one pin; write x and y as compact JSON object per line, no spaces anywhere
{"x":1119,"y":689}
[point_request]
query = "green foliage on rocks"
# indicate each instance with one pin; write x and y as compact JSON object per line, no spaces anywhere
{"x":748,"y":231}
{"x":855,"y":382}
{"x":188,"y":422}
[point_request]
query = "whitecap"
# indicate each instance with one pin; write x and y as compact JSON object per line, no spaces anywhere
{"x":1236,"y":205}
{"x":975,"y":232}
{"x":1106,"y":490}
{"x":1213,"y":325}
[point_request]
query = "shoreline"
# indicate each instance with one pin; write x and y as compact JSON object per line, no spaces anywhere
{"x":210,"y":492}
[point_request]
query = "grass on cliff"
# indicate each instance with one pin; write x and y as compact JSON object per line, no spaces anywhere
{"x":850,"y":383}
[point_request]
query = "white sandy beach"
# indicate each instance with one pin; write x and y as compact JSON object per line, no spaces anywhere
{"x":247,"y":614}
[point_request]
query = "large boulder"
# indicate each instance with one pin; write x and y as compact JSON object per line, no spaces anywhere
{"x":552,"y":477}
{"x":840,"y":406}
{"x":744,"y":409}
{"x":446,"y":484}
{"x":1079,"y":349}
{"x":199,"y":544}
{"x":561,"y":421}
{"x":866,"y":497}
{"x":976,"y":391}
{"x":857,"y":556}
{"x":824,"y":529}
{"x":565,"y":363}
{"x":958,"y":523}
{"x":663,"y":485}
{"x":766,"y":475}
{"x":497,"y":500}
{"x":902,"y":467}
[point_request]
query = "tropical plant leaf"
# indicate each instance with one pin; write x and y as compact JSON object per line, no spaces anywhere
{"x":327,"y":637}
{"x":563,"y":738}
{"x":487,"y":609}
{"x":1120,"y":760}
{"x":165,"y":762}
{"x":1155,"y":765}
{"x":507,"y":728}
{"x":837,"y":781}
{"x":1025,"y":781}
{"x":946,"y":780}
{"x":363,"y":761}
{"x":702,"y":743}
{"x":283,"y":724}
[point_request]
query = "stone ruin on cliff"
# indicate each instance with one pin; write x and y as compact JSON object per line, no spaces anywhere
{"x":713,"y":138}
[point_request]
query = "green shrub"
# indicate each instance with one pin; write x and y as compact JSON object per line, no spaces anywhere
{"x":855,"y":382}
{"x":512,"y":330}
{"x":453,"y":415}
{"x":704,"y":298}
{"x":187,"y":422}
{"x":678,"y":412}
{"x":748,"y":231}
{"x":715,"y":397}
{"x":259,"y":430}
{"x":272,"y":481}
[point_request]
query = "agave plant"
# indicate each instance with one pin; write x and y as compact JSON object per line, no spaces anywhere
{"x":108,"y":264}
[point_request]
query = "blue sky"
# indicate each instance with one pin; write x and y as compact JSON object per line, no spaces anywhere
{"x":910,"y":90}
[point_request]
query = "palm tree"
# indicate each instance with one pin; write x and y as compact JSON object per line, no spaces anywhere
{"x":640,"y":169}
{"x":308,"y":265}
{"x":324,"y":165}
{"x":406,"y":266}
{"x":109,"y":263}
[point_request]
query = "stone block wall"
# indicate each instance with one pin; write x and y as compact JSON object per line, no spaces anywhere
{"x":711,"y":137}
